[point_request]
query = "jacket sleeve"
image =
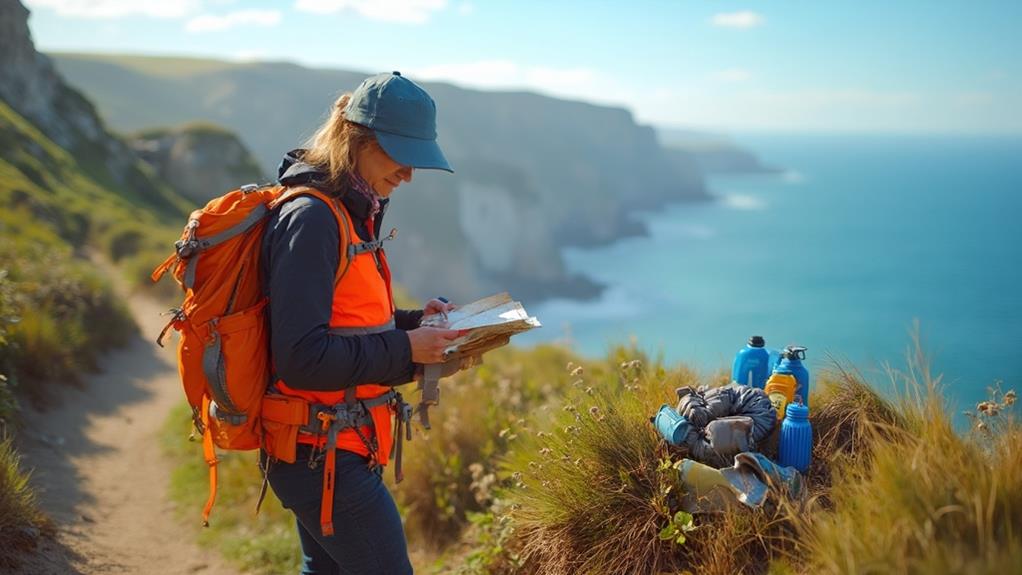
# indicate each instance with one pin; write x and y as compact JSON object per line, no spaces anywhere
{"x":407,"y":319}
{"x":303,"y":249}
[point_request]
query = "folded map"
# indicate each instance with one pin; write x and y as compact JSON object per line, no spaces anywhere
{"x":484,"y":324}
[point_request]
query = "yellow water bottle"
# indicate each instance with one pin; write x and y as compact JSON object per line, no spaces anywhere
{"x":780,"y":388}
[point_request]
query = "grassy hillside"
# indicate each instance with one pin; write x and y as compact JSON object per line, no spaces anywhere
{"x":542,"y":462}
{"x":56,"y":198}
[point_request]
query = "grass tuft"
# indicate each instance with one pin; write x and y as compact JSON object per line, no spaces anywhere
{"x":21,"y":523}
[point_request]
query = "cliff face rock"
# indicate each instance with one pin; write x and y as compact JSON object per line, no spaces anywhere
{"x":32,"y":87}
{"x":29,"y":84}
{"x":532,"y":173}
{"x":200,"y":161}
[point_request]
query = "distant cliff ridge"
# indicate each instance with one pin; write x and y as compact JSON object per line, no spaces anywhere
{"x":713,"y":153}
{"x":533,"y":173}
{"x":200,"y":161}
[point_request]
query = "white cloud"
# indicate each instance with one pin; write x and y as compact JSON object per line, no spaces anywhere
{"x":110,"y":9}
{"x":466,"y":8}
{"x":744,"y":19}
{"x":214,"y":23}
{"x":733,"y":75}
{"x":402,"y":11}
{"x":506,"y":74}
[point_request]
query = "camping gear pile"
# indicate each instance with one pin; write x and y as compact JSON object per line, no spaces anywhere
{"x":721,"y":429}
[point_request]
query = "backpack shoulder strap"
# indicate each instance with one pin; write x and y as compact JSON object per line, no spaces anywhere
{"x":340,"y":213}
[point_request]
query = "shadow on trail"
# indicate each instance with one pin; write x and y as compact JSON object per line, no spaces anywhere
{"x":66,"y":431}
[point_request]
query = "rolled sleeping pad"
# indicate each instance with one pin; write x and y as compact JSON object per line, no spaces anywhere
{"x":672,"y":427}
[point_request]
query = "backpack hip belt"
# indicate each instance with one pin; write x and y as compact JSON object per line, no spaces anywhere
{"x":329,"y":420}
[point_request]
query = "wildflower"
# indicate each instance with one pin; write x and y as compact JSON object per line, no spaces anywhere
{"x":577,"y":372}
{"x":516,"y":476}
{"x":569,"y":407}
{"x":1009,"y":398}
{"x":988,"y":408}
{"x":504,"y":432}
{"x":545,"y":451}
{"x":589,"y":390}
{"x":594,"y":411}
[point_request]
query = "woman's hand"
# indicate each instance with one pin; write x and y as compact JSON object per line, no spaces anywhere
{"x":429,"y":343}
{"x":437,"y":305}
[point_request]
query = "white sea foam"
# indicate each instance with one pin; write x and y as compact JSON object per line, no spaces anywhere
{"x":744,"y":202}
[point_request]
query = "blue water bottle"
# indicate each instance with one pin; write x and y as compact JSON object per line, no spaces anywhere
{"x":791,"y":362}
{"x":752,"y":363}
{"x":796,"y":446}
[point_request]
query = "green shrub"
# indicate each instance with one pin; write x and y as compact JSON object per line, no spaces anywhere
{"x":8,"y":317}
{"x":67,"y":315}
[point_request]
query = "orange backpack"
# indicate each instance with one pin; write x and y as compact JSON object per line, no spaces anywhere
{"x":224,"y":351}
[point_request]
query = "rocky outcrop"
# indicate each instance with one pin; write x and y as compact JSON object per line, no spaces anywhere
{"x":200,"y":161}
{"x":31,"y":86}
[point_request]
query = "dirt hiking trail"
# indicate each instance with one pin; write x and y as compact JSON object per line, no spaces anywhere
{"x":97,"y":466}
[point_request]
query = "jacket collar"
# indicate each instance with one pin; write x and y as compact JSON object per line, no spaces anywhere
{"x":294,"y":172}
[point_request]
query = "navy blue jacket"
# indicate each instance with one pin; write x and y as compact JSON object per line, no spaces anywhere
{"x":300,"y":255}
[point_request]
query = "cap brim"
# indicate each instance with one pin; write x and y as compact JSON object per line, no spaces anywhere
{"x":414,"y":152}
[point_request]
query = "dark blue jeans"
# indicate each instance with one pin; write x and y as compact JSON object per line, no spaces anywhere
{"x":368,"y":537}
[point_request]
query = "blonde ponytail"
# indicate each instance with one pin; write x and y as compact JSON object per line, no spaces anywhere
{"x":335,"y":145}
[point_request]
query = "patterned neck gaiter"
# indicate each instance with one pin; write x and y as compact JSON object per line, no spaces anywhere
{"x":360,"y":186}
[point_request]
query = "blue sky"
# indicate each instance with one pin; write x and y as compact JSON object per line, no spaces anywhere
{"x":935,"y":66}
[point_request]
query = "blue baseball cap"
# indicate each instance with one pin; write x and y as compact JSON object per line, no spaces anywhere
{"x":403,"y":116}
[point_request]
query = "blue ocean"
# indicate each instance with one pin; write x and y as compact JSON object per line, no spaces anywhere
{"x":856,"y":240}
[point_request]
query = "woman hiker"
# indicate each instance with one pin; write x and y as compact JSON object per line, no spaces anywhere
{"x":340,"y":345}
